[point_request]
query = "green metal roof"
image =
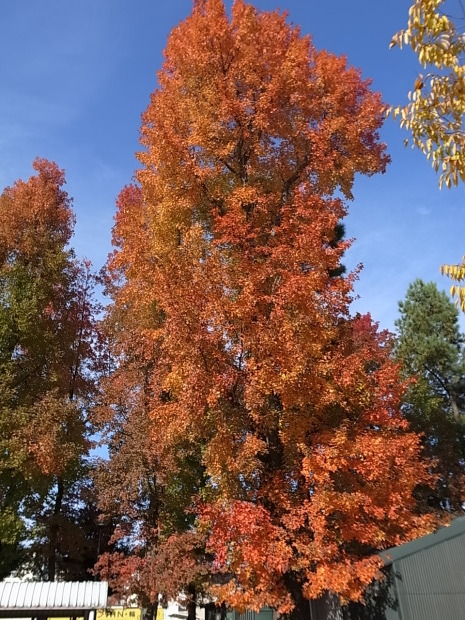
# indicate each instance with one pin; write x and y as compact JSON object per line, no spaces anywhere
{"x":456,"y":528}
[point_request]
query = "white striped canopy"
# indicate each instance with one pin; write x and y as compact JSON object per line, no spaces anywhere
{"x":48,"y":596}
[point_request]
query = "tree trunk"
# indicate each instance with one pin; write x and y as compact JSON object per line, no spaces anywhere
{"x":53,"y":532}
{"x":455,"y":408}
{"x":214,"y":612}
{"x":301,"y":610}
{"x":191,"y":602}
{"x":149,"y":611}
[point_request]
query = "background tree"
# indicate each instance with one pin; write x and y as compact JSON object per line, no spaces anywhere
{"x":82,"y":535}
{"x":430,"y":348}
{"x":232,"y":246}
{"x":46,"y":353}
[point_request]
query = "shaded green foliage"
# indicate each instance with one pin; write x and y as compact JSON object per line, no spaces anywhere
{"x":430,"y":349}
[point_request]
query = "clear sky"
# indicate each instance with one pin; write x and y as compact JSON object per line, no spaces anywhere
{"x":75,"y":75}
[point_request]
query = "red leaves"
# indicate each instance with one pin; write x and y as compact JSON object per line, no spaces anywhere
{"x":250,"y":550}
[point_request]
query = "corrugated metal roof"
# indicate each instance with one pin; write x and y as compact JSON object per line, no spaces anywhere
{"x":427,"y":577}
{"x":42,"y":595}
{"x":456,"y":528}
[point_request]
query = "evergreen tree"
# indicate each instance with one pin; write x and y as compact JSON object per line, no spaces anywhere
{"x":430,"y":349}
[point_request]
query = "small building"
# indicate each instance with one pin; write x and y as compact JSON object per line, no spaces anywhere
{"x":427,"y":576}
{"x":52,"y":599}
{"x":264,"y":614}
{"x":425,"y":580}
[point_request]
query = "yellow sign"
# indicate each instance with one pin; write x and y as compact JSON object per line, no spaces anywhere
{"x":124,"y":613}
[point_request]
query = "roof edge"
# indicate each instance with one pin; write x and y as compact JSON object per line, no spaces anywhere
{"x":455,"y":528}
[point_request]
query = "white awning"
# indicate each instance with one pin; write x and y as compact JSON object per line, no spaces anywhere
{"x":48,"y":596}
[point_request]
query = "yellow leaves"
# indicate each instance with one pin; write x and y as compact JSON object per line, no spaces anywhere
{"x":437,"y":103}
{"x":419,"y":83}
{"x":399,"y":39}
{"x":456,"y":273}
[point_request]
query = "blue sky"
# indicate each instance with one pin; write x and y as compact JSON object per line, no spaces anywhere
{"x":76,"y":75}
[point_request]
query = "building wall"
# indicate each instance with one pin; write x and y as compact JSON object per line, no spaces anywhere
{"x":430,"y":584}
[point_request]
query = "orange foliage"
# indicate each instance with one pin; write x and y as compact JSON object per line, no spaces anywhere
{"x":36,"y":214}
{"x":48,"y":362}
{"x":47,"y":331}
{"x":226,"y":247}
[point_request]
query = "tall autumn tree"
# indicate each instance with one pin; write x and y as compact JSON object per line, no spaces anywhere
{"x":430,"y":348}
{"x":46,"y":336}
{"x":251,"y":144}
